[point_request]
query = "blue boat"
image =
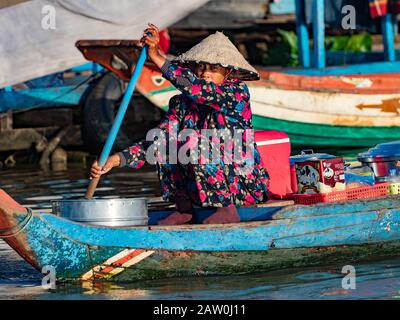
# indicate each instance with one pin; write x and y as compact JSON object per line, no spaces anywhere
{"x":273,"y":236}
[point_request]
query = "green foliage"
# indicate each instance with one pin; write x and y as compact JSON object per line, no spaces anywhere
{"x":355,"y":43}
{"x":285,"y":52}
{"x":290,"y":39}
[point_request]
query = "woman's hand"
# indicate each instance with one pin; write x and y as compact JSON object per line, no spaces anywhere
{"x":153,"y":42}
{"x":112,"y":161}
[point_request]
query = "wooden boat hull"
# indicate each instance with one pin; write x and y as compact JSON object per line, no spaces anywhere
{"x":287,"y":237}
{"x":169,"y":264}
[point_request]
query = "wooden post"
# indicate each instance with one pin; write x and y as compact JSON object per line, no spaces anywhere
{"x":388,"y":37}
{"x":395,"y":25}
{"x":6,"y":121}
{"x":302,"y":34}
{"x":318,"y":16}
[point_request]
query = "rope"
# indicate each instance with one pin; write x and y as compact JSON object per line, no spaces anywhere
{"x":19,"y":227}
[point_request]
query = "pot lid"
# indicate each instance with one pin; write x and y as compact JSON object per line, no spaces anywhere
{"x":309,"y":155}
{"x":389,"y":150}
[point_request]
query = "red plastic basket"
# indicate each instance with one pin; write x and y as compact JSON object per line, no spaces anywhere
{"x":318,"y":197}
{"x":377,"y":190}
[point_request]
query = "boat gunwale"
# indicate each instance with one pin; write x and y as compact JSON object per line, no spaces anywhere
{"x":321,"y":83}
{"x":277,"y":217}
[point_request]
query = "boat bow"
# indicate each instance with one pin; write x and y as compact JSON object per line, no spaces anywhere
{"x":13,"y":219}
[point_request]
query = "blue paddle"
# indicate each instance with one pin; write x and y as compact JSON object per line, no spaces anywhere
{"x":118,"y":120}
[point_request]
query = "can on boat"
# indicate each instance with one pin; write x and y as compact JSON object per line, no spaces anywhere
{"x":317,"y":172}
{"x":104,"y":212}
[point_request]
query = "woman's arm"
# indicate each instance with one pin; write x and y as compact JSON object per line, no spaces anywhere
{"x":135,"y":155}
{"x":167,"y":130}
{"x":225,"y":98}
{"x":152,"y":43}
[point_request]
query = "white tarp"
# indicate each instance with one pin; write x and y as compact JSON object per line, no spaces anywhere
{"x":28,"y":50}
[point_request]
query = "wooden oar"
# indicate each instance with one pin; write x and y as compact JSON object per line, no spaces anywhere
{"x":118,"y":120}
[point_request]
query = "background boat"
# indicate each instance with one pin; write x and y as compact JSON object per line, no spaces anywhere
{"x":340,"y":109}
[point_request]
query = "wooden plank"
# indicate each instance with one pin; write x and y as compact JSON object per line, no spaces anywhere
{"x":74,"y":137}
{"x":276,"y":203}
{"x":276,"y":19}
{"x":18,"y":139}
{"x":23,"y":139}
{"x":318,"y":11}
{"x":42,"y":118}
{"x":388,"y":37}
{"x":302,"y":34}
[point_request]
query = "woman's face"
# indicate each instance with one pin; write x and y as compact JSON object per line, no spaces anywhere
{"x":211,"y":73}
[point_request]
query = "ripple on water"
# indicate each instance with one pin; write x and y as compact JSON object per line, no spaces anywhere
{"x":315,"y":276}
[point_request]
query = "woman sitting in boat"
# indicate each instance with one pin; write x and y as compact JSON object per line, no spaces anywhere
{"x":213,"y":97}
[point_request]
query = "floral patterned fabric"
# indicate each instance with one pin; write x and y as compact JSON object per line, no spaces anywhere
{"x":205,"y":105}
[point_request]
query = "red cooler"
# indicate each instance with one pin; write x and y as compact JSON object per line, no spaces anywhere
{"x":274,"y":148}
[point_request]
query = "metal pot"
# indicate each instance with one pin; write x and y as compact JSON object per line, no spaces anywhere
{"x":104,"y":212}
{"x":382,"y":158}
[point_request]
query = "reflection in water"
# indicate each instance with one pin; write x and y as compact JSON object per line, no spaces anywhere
{"x":18,"y":280}
{"x":374,"y":281}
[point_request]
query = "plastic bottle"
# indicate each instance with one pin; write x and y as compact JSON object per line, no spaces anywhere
{"x":393,"y":176}
{"x":394,"y":180}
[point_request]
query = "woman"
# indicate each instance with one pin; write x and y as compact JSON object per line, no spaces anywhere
{"x":214,"y":98}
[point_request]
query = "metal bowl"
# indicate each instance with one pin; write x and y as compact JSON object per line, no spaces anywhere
{"x":104,"y":212}
{"x":382,"y":158}
{"x":380,"y":167}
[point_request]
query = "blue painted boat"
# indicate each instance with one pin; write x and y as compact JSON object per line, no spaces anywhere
{"x":273,"y":236}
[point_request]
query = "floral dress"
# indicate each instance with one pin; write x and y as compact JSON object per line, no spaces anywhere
{"x":221,"y":182}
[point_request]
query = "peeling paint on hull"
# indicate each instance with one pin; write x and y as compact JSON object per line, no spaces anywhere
{"x":293,"y":236}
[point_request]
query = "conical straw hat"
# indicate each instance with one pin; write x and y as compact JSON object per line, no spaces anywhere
{"x":218,"y":49}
